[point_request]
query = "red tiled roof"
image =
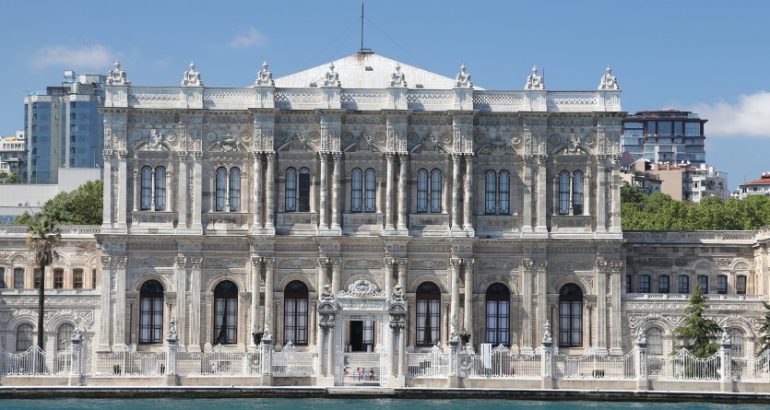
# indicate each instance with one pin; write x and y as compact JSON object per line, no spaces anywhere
{"x":765,"y":180}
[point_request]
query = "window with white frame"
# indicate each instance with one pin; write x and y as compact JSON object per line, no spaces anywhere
{"x":740,"y":284}
{"x":297,"y":190}
{"x":228,"y":189}
{"x":429,"y":191}
{"x":363,"y":190}
{"x":497,"y":191}
{"x":428,"y":297}
{"x":654,"y":341}
{"x":153,"y":188}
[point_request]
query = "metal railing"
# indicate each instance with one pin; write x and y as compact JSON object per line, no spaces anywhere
{"x":430,"y":364}
{"x":501,"y":363}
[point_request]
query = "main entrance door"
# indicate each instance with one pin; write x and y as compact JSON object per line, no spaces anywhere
{"x":357,"y":336}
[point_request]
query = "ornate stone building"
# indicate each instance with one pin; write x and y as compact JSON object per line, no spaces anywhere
{"x":494,"y":212}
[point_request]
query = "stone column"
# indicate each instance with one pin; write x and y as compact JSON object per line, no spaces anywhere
{"x":270,"y":192}
{"x":269,"y":273}
{"x":601,"y":311}
{"x":542,"y":205}
{"x":402,"y":205}
{"x":137,"y":188}
{"x":468,"y":194}
{"x":601,"y":195}
{"x":182,"y":192}
{"x":526,"y":209}
{"x":388,"y":263}
{"x":119,"y":337}
{"x":107,"y":191}
{"x":454,"y":307}
{"x":526,"y":307}
{"x":122,"y":199}
{"x":336,"y":170}
{"x":546,"y":358}
{"x":196,"y":207}
{"x":640,"y":356}
{"x":455,"y":191}
{"x":389,"y":191}
{"x":194,"y":341}
{"x":401,"y":349}
{"x":468,"y":311}
{"x":587,"y":192}
{"x":401,"y":264}
{"x":322,"y":222}
{"x":105,"y":321}
{"x":321,"y":344}
{"x":614,"y":188}
{"x":256,"y":275}
{"x":181,"y":294}
{"x":323,"y":265}
{"x":541,"y":276}
{"x":258,"y":214}
{"x":336,"y":274}
{"x":726,"y":362}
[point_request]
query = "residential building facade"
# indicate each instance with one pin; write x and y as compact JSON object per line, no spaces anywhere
{"x":665,"y":136}
{"x":758,"y":186}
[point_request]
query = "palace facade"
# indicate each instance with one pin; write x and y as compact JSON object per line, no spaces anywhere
{"x":491,"y":212}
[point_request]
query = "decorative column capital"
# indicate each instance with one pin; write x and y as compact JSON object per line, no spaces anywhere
{"x":324,"y":262}
{"x":269,"y":262}
{"x":402,"y":262}
{"x":256,"y":261}
{"x":181,"y":261}
{"x":121,"y":262}
{"x":196,"y":262}
{"x":388,"y":261}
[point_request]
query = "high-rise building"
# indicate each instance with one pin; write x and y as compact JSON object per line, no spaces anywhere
{"x":64,"y":127}
{"x":12,"y":154}
{"x":668,"y":137}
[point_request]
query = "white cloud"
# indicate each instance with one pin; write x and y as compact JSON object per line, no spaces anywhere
{"x":252,"y":37}
{"x":89,"y":57}
{"x":749,"y":116}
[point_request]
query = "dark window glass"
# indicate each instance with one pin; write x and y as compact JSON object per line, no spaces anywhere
{"x":18,"y":278}
{"x":291,"y":190}
{"x":504,"y":191}
{"x":564,"y":193}
{"x":370,"y":204}
{"x":235,"y":189}
{"x":422,"y":190}
{"x":740,"y":285}
{"x":570,"y":316}
{"x":703,"y":283}
{"x":356,"y":190}
{"x":221,"y":188}
{"x":146,"y":188}
{"x":151,"y":312}
{"x":428,"y":314}
{"x":629,"y":284}
{"x":490,"y":192}
{"x":498,"y":299}
{"x":303,"y":196}
{"x":225,"y":313}
{"x":295,"y":313}
{"x":722,"y":284}
{"x":664,"y":128}
{"x":23,"y":337}
{"x":692,"y":129}
{"x":58,"y":278}
{"x":64,"y":336}
{"x":663,"y":284}
{"x":577,"y":193}
{"x":77,"y":279}
{"x":644,"y":284}
{"x":160,"y":188}
{"x":684,"y":284}
{"x":435,"y":190}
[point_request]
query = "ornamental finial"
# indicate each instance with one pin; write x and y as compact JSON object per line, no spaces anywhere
{"x":117,"y":76}
{"x":191,"y":77}
{"x":264,"y":76}
{"x":609,"y":82}
{"x":463,"y":79}
{"x":535,"y":81}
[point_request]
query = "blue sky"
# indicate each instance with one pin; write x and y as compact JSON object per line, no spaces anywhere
{"x":705,"y":55}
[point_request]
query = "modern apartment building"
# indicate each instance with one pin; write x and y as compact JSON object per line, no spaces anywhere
{"x":12,"y":154}
{"x":668,"y":136}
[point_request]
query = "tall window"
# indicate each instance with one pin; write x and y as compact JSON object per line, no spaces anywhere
{"x":644,"y":284}
{"x":722,"y":284}
{"x":629,"y":284}
{"x":356,"y":190}
{"x":221,"y":188}
{"x":151,"y":312}
{"x":295,"y":308}
{"x":435,"y":190}
{"x":58,"y":278}
{"x":570,"y":316}
{"x":64,"y":336}
{"x":160,"y":188}
{"x":740,"y":284}
{"x":684,"y":284}
{"x":736,"y":341}
{"x":225,"y":313}
{"x":2,"y":278}
{"x":664,"y":284}
{"x":77,"y":278}
{"x":371,"y":191}
{"x":654,"y":341}
{"x":491,"y":192}
{"x":428,"y":314}
{"x":146,"y":188}
{"x":577,"y":193}
{"x":564,"y":193}
{"x":23,"y":337}
{"x":498,"y":301}
{"x":422,"y":190}
{"x":291,"y":190}
{"x":303,"y":194}
{"x":703,"y":283}
{"x":235,"y":189}
{"x":18,"y":278}
{"x":504,"y":192}
{"x":37,"y":277}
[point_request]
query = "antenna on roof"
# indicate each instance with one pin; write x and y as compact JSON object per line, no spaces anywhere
{"x":363,"y":50}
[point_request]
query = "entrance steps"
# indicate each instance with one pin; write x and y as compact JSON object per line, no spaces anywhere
{"x":369,"y":362}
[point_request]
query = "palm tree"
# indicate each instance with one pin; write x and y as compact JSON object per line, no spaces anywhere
{"x":43,"y":236}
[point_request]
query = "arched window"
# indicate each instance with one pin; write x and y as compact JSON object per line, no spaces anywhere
{"x":498,"y":300}
{"x":291,"y":190}
{"x":428,"y":313}
{"x":504,"y":192}
{"x":644,"y":284}
{"x":356,"y":190}
{"x":160,"y":188}
{"x":664,"y":284}
{"x":422,"y":190}
{"x":151,"y":312}
{"x":295,"y":308}
{"x":58,"y":278}
{"x":435,"y":190}
{"x":570,"y":316}
{"x":221,"y":188}
{"x":371,"y":191}
{"x":736,"y":342}
{"x":654,"y":341}
{"x":225,"y":313}
{"x":18,"y":278}
{"x":235,"y":189}
{"x":64,"y":336}
{"x":577,"y":193}
{"x":146,"y":188}
{"x":303,"y":194}
{"x":722,"y":284}
{"x":77,"y":278}
{"x":703,"y":283}
{"x":23,"y":337}
{"x":740,"y":284}
{"x":563,"y":193}
{"x":490,"y":206}
{"x":683,"y":284}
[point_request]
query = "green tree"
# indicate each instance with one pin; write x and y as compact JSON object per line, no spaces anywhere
{"x":11,"y":178}
{"x":764,"y":329}
{"x":82,"y":206}
{"x":697,"y":332}
{"x":42,"y":238}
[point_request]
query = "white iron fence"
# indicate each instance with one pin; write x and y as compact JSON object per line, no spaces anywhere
{"x":218,"y":362}
{"x":754,"y":369}
{"x":28,"y":363}
{"x":128,"y":362}
{"x":501,"y":363}
{"x":595,"y":366}
{"x":431,"y":364}
{"x":685,"y":366}
{"x":291,"y":363}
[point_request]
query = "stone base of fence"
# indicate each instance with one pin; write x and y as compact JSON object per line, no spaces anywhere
{"x":324,"y":381}
{"x":396,"y":381}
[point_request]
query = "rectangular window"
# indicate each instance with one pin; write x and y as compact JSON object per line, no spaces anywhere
{"x":651,"y":128}
{"x":18,"y":278}
{"x":2,"y":278}
{"x":663,"y":284}
{"x":692,"y":129}
{"x":428,"y":320}
{"x":740,"y":285}
{"x":629,"y":284}
{"x":664,"y":128}
{"x":77,"y":279}
{"x":722,"y":284}
{"x":678,"y":128}
{"x":644,"y":284}
{"x":58,"y":279}
{"x":703,"y":283}
{"x":303,"y":200}
{"x":684,"y":284}
{"x":37,"y":278}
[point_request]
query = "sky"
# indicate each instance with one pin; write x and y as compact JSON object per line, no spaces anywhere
{"x":712,"y":57}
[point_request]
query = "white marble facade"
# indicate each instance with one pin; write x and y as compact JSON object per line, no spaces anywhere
{"x":371,"y":171}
